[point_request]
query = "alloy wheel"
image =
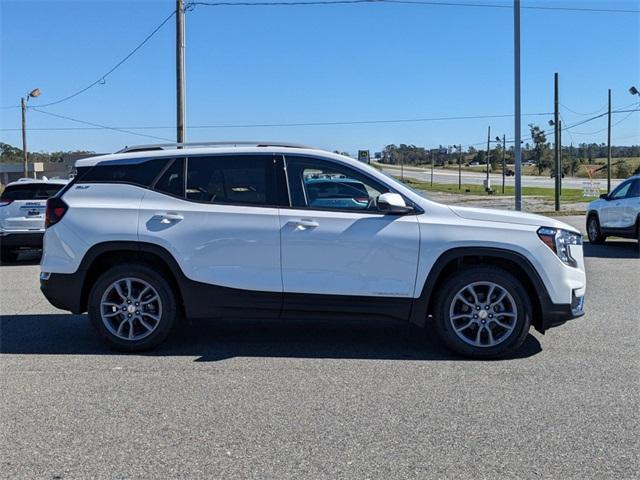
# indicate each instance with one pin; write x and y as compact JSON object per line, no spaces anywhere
{"x":483,"y":314}
{"x":131,"y":309}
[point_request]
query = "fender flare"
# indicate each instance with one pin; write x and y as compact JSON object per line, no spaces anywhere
{"x":452,"y":259}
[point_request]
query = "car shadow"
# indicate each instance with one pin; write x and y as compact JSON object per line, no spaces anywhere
{"x":612,"y":249}
{"x":216,"y":340}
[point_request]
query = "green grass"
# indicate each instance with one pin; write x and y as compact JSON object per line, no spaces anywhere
{"x":568,"y":194}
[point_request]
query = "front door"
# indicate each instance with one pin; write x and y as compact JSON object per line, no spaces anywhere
{"x":614,"y":207}
{"x":339,"y":252}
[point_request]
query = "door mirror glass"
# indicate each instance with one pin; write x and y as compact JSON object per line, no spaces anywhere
{"x":393,"y":203}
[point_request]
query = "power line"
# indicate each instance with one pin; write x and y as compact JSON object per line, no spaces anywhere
{"x":101,"y":80}
{"x":122,"y":130}
{"x":605,"y":128}
{"x":297,"y":3}
{"x":583,"y":114}
{"x":296,"y":124}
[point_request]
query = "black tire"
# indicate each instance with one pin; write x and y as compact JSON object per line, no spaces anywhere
{"x":8,"y":255}
{"x":167,"y":299}
{"x":519,"y":326}
{"x":593,"y":230}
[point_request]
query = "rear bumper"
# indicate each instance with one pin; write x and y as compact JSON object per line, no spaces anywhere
{"x":21,"y":238}
{"x":64,"y":291}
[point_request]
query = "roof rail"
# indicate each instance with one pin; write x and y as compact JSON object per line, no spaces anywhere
{"x":169,"y":146}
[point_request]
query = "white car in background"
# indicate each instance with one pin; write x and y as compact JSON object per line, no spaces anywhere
{"x":22,"y":206}
{"x":616,"y":214}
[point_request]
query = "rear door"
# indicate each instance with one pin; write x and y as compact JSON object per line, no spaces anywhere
{"x":218,"y":217}
{"x":22,"y":205}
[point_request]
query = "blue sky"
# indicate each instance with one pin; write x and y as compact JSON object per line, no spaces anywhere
{"x":265,"y":65}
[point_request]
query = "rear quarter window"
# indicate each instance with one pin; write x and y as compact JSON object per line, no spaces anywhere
{"x":30,"y":191}
{"x":136,"y":171}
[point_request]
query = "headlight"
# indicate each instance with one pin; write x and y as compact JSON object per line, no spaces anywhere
{"x":559,"y":241}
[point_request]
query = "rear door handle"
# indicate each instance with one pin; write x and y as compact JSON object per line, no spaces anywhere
{"x":304,"y":223}
{"x":169,"y":217}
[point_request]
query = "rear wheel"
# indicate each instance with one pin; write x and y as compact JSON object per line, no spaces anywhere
{"x":593,"y":230}
{"x":483,"y":313}
{"x":132,"y":307}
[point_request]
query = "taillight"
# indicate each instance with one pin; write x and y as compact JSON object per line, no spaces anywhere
{"x":56,"y":209}
{"x":4,"y":203}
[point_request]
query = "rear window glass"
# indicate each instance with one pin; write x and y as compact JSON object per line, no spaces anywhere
{"x":30,"y":191}
{"x":137,"y":172}
{"x":172,"y":180}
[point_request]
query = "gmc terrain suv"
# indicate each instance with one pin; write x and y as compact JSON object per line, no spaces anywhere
{"x":153,"y":233}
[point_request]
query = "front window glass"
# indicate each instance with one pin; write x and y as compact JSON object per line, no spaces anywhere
{"x":323,"y":185}
{"x":621,"y":191}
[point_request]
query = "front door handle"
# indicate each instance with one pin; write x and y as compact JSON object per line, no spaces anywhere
{"x":169,"y":217}
{"x":305,"y":223}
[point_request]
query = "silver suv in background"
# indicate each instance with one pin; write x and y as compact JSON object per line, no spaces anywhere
{"x":22,"y":206}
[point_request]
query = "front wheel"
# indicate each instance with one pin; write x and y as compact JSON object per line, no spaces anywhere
{"x":483,"y":313}
{"x":132,"y":307}
{"x":593,"y":230}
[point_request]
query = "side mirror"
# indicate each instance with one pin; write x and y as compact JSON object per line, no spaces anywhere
{"x":393,"y":203}
{"x":604,"y":196}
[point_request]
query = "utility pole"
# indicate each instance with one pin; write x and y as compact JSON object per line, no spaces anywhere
{"x":556,"y":125}
{"x":517,"y":122}
{"x":561,"y":165}
{"x":609,"y":147}
{"x":504,"y":158}
{"x":180,"y":94}
{"x":460,"y":169}
{"x":486,"y":187}
{"x":23,"y":104}
{"x":433,"y":161}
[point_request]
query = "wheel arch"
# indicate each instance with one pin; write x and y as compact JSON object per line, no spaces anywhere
{"x":457,"y":258}
{"x":104,"y":255}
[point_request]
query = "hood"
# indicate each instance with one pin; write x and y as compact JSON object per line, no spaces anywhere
{"x":507,"y":216}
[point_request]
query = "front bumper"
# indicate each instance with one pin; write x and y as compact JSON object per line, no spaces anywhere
{"x":21,"y":238}
{"x":554,"y":315}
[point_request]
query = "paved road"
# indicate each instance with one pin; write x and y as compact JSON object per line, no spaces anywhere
{"x":273,"y":400}
{"x":476,"y":178}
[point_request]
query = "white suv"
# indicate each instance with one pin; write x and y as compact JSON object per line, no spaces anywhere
{"x":22,"y":205}
{"x":151,"y":234}
{"x":616,"y":214}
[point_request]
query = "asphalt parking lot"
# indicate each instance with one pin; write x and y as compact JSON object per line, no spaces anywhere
{"x":277,"y":400}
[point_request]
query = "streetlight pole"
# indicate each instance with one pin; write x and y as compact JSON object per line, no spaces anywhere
{"x":180,"y":95}
{"x":556,"y":120}
{"x":23,"y":104}
{"x":517,"y":118}
{"x":609,"y":146}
